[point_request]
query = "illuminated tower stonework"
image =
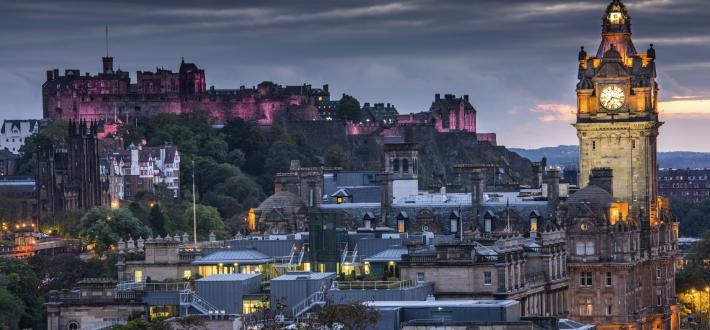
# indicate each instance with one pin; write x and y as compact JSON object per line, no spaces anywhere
{"x":622,"y":238}
{"x":617,"y":118}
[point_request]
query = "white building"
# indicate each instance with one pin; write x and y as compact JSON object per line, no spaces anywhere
{"x":14,"y":132}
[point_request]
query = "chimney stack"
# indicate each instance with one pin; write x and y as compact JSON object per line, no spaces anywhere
{"x":437,"y":96}
{"x":603,"y":178}
{"x":465,"y":97}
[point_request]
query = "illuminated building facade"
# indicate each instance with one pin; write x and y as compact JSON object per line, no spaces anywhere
{"x":622,"y":242}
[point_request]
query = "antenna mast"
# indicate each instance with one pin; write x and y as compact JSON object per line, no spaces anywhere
{"x":106,"y":40}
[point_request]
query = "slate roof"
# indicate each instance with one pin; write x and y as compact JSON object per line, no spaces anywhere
{"x":391,"y":254}
{"x":228,"y":277}
{"x":285,"y":200}
{"x":245,"y":257}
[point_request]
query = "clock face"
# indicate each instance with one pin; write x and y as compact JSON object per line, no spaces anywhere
{"x":612,"y":97}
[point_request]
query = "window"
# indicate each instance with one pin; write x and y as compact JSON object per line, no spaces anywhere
{"x":608,"y":310}
{"x":420,"y":277}
{"x":585,"y":248}
{"x":594,"y":145}
{"x":454,"y":225}
{"x":586,"y":307}
{"x":585,"y":279}
{"x":138,"y":276}
{"x":658,"y":271}
{"x":187,"y":274}
{"x":400,"y":226}
{"x":395,"y":166}
{"x":608,"y":278}
{"x":405,"y":165}
{"x":487,"y":278}
{"x":73,"y":325}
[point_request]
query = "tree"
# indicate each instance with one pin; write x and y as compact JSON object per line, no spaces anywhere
{"x":18,"y":279}
{"x":192,"y":322}
{"x":157,"y":220}
{"x":353,"y":315}
{"x":336,"y":157}
{"x":208,"y":220}
{"x":236,"y":158}
{"x":55,"y":134}
{"x":348,"y":109}
{"x":103,"y":227}
{"x":63,"y":271}
{"x":11,"y":306}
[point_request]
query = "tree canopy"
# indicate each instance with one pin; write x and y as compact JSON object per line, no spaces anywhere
{"x":104,"y":227}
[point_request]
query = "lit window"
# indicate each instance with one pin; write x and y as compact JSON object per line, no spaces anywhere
{"x":400,"y":226}
{"x":187,"y":274}
{"x":586,"y":307}
{"x":138,"y":276}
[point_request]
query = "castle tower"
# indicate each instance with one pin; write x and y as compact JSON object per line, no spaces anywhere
{"x":617,"y":116}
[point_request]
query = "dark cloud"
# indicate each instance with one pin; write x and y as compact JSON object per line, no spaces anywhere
{"x":515,"y":58}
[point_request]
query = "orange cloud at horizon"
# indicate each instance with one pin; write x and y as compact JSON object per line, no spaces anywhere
{"x":685,"y":107}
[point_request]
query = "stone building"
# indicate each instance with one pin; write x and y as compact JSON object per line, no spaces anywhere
{"x":93,"y":305}
{"x":622,"y":269}
{"x":110,"y":94}
{"x":69,"y":179}
{"x":691,"y":184}
{"x":505,"y":266}
{"x":141,"y":168}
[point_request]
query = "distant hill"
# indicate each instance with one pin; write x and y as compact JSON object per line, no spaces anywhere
{"x":569,"y":155}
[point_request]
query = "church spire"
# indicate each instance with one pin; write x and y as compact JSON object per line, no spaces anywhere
{"x":616,"y":31}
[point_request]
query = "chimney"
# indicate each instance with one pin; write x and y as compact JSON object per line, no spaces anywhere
{"x":325,"y":88}
{"x":552,"y":181}
{"x":108,"y":64}
{"x":465,"y":97}
{"x":603,"y":178}
{"x":50,"y":75}
{"x":56,"y":73}
{"x":437,"y":96}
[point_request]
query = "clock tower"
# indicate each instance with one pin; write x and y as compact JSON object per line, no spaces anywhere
{"x":617,"y":117}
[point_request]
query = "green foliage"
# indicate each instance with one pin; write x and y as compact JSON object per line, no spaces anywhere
{"x":54,"y":134}
{"x":353,"y":315}
{"x":157,"y":220}
{"x":192,"y":322}
{"x":11,"y":308}
{"x":208,"y":220}
{"x":349,"y":109}
{"x":17,"y":279}
{"x":694,"y":217}
{"x":62,"y":271}
{"x":103,"y":227}
{"x":336,"y":157}
{"x":141,"y":324}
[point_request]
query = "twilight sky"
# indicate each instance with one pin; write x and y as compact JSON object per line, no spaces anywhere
{"x":516,"y":59}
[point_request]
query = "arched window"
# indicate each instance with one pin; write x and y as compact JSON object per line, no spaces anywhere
{"x":395,"y":165}
{"x":73,"y":325}
{"x":405,"y":165}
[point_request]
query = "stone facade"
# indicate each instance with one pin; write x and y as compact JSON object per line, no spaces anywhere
{"x":691,"y":184}
{"x":69,"y":179}
{"x":93,"y":306}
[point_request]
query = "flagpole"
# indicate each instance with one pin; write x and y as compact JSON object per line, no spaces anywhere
{"x":194,"y":207}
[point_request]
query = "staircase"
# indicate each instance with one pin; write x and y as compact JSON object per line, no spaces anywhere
{"x":316,"y":299}
{"x":190,"y":299}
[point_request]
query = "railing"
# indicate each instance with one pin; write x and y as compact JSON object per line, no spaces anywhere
{"x":191,"y":299}
{"x":317,"y":298}
{"x":152,"y":286}
{"x":373,"y":285}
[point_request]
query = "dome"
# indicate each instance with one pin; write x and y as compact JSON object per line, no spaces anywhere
{"x":283,"y":200}
{"x":612,"y":53}
{"x":595,"y":195}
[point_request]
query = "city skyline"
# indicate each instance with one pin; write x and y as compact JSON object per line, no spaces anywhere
{"x":521,"y":80}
